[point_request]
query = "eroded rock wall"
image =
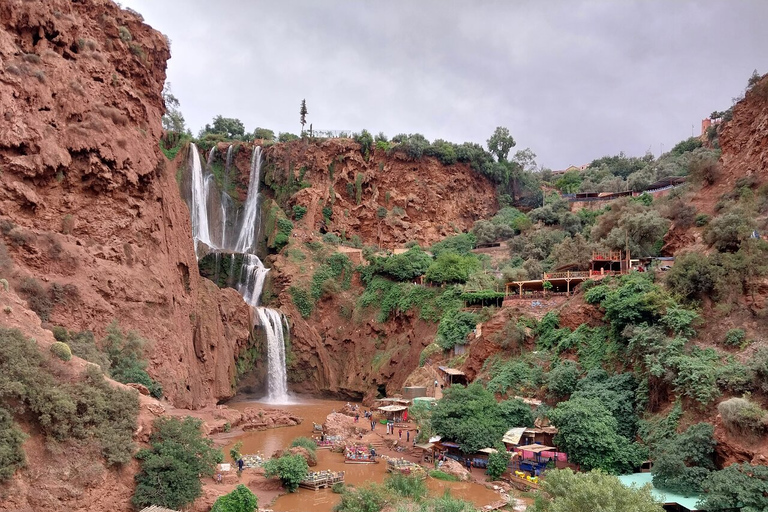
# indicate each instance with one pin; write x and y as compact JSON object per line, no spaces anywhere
{"x":386,"y":200}
{"x":89,"y":203}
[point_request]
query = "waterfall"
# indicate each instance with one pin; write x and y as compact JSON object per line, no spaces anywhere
{"x":252,"y":278}
{"x":211,"y":208}
{"x":247,"y":236}
{"x":199,"y":209}
{"x":277,"y":387}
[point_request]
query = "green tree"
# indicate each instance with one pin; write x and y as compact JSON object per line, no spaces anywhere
{"x":740,"y":487}
{"x":407,"y":266}
{"x":497,"y":463}
{"x":173,"y":120}
{"x":500,"y":143}
{"x":516,"y":413}
{"x":451,"y":267}
{"x":234,"y":452}
{"x":588,"y":432}
{"x":171,"y":467}
{"x":726,"y":232}
{"x":229,"y":127}
{"x":291,"y":469}
{"x":682,"y":463}
{"x":454,"y":328}
{"x":469,"y":416}
{"x":566,"y":491}
{"x":303,"y":114}
{"x":239,"y":500}
{"x":264,"y":133}
{"x":562,"y":378}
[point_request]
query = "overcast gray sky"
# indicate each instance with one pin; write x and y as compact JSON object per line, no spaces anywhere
{"x":573,"y":80}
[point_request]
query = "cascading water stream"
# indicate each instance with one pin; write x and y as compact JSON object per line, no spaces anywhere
{"x":247,"y":236}
{"x":206,"y":206}
{"x":199,"y":209}
{"x":277,"y":380}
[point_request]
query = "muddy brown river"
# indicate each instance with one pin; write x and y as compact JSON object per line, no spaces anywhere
{"x":267,"y":442}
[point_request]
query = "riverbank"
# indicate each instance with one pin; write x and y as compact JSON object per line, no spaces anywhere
{"x":265,"y":443}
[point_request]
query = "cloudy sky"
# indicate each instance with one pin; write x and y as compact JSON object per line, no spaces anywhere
{"x":573,"y":80}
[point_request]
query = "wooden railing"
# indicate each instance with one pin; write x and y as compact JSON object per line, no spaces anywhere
{"x":607,"y":255}
{"x":569,"y":274}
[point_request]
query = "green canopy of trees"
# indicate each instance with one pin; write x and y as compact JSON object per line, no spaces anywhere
{"x":566,"y":491}
{"x":471,"y":417}
{"x":171,"y":467}
{"x":589,"y":433}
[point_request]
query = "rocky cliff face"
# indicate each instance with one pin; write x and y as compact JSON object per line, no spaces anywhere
{"x":386,"y":200}
{"x":89,"y":206}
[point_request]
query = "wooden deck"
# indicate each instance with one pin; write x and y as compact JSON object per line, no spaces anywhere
{"x":317,"y":480}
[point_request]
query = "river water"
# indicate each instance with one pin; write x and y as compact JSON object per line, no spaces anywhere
{"x":266,"y":442}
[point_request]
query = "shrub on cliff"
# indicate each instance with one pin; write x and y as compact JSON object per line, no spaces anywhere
{"x":171,"y":467}
{"x":743,"y":416}
{"x":301,"y":300}
{"x":239,"y":500}
{"x":86,"y":410}
{"x":125,"y":352}
{"x":61,"y":350}
{"x":365,"y":139}
{"x":11,"y":450}
{"x":291,"y":469}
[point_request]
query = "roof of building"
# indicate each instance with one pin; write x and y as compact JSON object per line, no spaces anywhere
{"x":155,"y":508}
{"x":395,"y":400}
{"x":536,"y":448}
{"x":513,"y":435}
{"x":392,"y":408}
{"x":641,"y":479}
{"x":488,"y":450}
{"x":451,"y":371}
{"x":425,"y":446}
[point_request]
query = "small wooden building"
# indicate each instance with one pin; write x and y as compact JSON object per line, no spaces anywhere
{"x":396,"y":413}
{"x":452,"y":376}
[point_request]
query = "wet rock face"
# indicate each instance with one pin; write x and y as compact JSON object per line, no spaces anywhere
{"x":90,"y":202}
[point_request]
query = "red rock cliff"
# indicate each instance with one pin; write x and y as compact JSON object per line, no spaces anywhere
{"x":89,"y":203}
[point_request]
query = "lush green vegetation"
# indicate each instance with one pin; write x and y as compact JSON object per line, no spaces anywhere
{"x":239,"y":500}
{"x":88,"y":409}
{"x":407,"y":486}
{"x":291,"y":469}
{"x":171,"y":467}
{"x":12,"y":438}
{"x":305,"y":442}
{"x":471,"y":417}
{"x":737,"y":487}
{"x":127,"y":363}
{"x":683,"y":461}
{"x":566,"y":491}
